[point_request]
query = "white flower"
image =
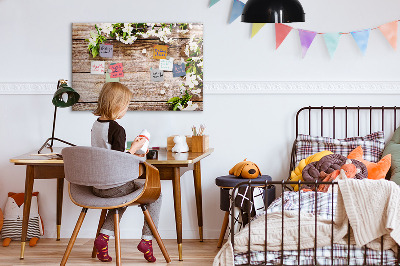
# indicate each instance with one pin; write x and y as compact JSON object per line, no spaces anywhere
{"x":92,"y":41}
{"x":93,"y":34}
{"x":187,"y":50}
{"x":191,"y":80}
{"x":196,"y":92}
{"x":200,"y":64}
{"x":190,"y":26}
{"x":143,"y":34}
{"x":144,"y":51}
{"x":151,"y":32}
{"x":162,"y":92}
{"x":152,"y":24}
{"x":193,"y":46}
{"x":167,"y":30}
{"x":106,"y":28}
{"x":183,"y":31}
{"x":131,"y":39}
{"x":127,"y":28}
{"x":190,"y":106}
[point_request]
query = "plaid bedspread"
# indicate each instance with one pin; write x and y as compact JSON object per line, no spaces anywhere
{"x":321,"y":205}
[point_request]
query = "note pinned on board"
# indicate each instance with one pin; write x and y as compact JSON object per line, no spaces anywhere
{"x":167,"y":64}
{"x":110,"y":79}
{"x":116,"y":70}
{"x":179,"y":70}
{"x":106,"y":50}
{"x":160,"y":51}
{"x":156,"y":75}
{"x":97,"y":67}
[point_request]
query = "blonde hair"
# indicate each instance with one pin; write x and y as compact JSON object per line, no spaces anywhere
{"x":113,"y":97}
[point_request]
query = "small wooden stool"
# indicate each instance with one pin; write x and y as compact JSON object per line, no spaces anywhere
{"x":226,"y":183}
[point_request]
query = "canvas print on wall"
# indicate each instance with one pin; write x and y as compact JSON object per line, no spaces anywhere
{"x":162,"y":63}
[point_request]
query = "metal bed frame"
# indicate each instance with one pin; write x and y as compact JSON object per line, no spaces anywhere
{"x":283,"y":184}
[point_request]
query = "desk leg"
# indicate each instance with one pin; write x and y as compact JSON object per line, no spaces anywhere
{"x":176,"y":182}
{"x":27,"y":206}
{"x":199,"y":204}
{"x":60,"y":190}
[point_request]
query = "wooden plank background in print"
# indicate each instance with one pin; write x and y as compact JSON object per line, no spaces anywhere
{"x":147,"y":95}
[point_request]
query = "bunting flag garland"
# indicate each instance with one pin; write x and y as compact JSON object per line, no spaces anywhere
{"x":256,"y":28}
{"x":389,"y":30}
{"x":332,"y":41}
{"x":361,"y":37}
{"x":306,"y":39}
{"x":237,"y":9}
{"x":281,"y":31}
{"x":213,"y":2}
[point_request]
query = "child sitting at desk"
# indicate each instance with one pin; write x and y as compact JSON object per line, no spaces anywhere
{"x":107,"y":133}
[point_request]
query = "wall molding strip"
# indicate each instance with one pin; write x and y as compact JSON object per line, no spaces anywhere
{"x":244,"y":87}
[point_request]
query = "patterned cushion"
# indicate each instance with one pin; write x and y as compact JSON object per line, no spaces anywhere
{"x":372,"y":144}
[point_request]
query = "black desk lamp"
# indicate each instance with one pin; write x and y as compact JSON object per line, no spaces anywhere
{"x":58,"y":101}
{"x":273,"y":11}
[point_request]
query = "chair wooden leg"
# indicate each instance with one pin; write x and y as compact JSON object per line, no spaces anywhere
{"x":223,"y":229}
{"x":73,"y":237}
{"x":154,"y":230}
{"x":101,"y":222}
{"x":117,"y":238}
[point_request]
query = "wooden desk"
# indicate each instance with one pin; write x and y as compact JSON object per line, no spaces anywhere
{"x":168,"y":164}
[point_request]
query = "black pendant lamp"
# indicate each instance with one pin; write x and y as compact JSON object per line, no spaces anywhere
{"x":273,"y":11}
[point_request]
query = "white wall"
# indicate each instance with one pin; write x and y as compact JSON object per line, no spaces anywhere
{"x":36,"y":47}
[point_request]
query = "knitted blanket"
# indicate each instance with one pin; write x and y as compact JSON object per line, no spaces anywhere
{"x":371,"y":207}
{"x":274,"y":235}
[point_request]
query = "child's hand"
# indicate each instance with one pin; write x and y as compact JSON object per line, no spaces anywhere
{"x":142,"y":155}
{"x":137,"y":144}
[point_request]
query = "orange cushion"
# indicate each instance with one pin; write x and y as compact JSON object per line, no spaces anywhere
{"x":375,"y":170}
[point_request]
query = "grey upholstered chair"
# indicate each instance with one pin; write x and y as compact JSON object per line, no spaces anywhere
{"x":85,"y":167}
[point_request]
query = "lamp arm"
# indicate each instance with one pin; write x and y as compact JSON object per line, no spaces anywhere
{"x":54,"y":126}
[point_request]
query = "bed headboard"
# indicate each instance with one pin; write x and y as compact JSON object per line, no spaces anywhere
{"x":344,"y":121}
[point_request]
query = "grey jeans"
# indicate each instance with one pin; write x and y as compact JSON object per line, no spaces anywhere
{"x":154,"y":208}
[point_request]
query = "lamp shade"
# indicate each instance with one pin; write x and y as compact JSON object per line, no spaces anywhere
{"x":73,"y":96}
{"x":273,"y":11}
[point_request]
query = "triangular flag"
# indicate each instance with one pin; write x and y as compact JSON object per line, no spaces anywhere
{"x":332,"y":41}
{"x":306,"y":39}
{"x":213,"y":2}
{"x":390,"y":32}
{"x":281,"y":31}
{"x":237,"y":9}
{"x":361,"y":37}
{"x":256,"y":28}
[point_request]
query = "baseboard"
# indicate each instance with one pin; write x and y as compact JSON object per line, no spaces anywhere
{"x":246,"y":87}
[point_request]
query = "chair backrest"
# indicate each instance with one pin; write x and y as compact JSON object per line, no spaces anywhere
{"x":92,"y":166}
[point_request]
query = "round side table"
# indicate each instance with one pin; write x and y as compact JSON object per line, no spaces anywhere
{"x":226,"y":183}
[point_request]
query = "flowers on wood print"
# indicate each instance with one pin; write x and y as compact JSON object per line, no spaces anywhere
{"x":137,"y":49}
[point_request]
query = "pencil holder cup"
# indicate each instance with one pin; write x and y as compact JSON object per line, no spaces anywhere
{"x":200,"y":143}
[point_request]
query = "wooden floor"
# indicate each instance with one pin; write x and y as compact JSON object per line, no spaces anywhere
{"x":50,"y":252}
